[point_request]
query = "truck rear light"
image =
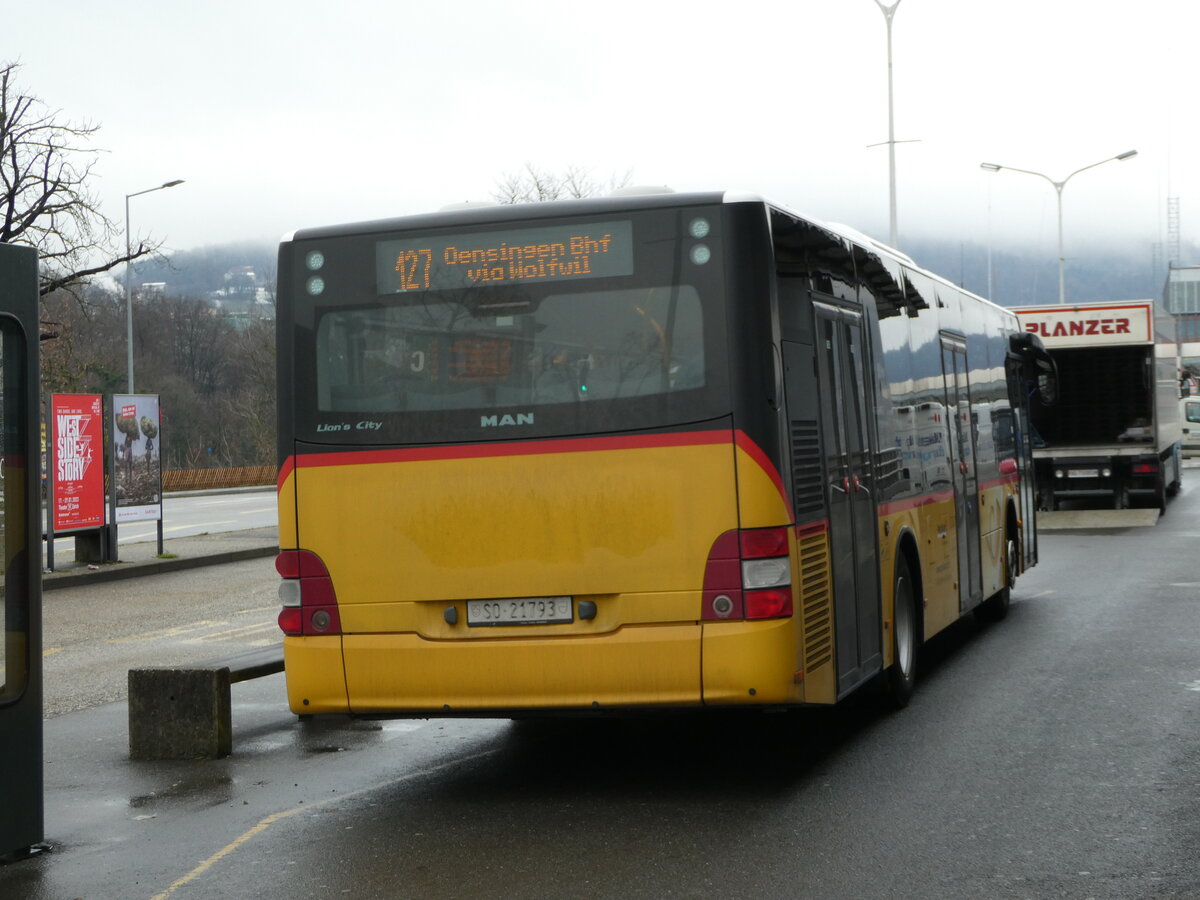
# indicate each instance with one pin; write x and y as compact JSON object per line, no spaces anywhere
{"x":306,"y":594}
{"x":1147,"y":468}
{"x":748,"y":576}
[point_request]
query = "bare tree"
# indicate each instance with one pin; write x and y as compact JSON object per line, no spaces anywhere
{"x":533,"y":185}
{"x":45,"y":202}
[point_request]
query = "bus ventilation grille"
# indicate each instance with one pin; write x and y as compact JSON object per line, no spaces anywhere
{"x":816,"y":599}
{"x":809,"y":496}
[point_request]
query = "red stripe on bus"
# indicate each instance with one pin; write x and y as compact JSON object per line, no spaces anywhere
{"x":527,"y":448}
{"x":889,"y":509}
{"x":511,"y":448}
{"x":803,"y":531}
{"x":285,"y":471}
{"x":1013,"y":479}
{"x":756,"y":453}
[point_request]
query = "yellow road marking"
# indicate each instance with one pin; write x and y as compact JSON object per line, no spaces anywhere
{"x":244,"y":631}
{"x":270,"y":820}
{"x":50,"y":650}
{"x":197,"y":631}
{"x":227,"y":849}
{"x":168,"y":632}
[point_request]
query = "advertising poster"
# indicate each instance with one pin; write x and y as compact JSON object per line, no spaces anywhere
{"x":77,"y":434}
{"x":138,"y":456}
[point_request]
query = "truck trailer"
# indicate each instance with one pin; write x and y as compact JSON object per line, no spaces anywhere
{"x":1114,"y":430}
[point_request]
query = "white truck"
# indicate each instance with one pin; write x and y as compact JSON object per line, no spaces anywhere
{"x":1114,"y":431}
{"x":1189,"y":412}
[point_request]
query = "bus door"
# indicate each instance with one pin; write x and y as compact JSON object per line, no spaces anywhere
{"x":963,"y":473}
{"x":21,"y":819}
{"x":841,"y":372}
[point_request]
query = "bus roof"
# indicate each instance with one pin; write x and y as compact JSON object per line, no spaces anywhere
{"x":499,"y":213}
{"x":518,"y":212}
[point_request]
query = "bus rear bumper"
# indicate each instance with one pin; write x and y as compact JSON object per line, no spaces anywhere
{"x":316,"y":680}
{"x":634,"y":666}
{"x":651,"y":666}
{"x":752,"y":663}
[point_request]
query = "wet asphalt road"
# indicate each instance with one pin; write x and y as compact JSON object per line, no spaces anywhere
{"x":1056,"y":754}
{"x":95,"y":634}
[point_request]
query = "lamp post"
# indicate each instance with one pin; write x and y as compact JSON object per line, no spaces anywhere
{"x":893,"y":239}
{"x":128,"y":284}
{"x":1058,"y":189}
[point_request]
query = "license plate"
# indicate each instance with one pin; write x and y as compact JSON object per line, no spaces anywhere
{"x":1083,"y":473}
{"x":520,"y":611}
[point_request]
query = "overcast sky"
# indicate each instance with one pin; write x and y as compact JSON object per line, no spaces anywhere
{"x":281,"y":115}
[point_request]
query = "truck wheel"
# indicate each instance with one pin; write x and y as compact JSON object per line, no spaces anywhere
{"x":902,"y":675}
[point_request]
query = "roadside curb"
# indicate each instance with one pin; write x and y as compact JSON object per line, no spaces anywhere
{"x":118,"y":571}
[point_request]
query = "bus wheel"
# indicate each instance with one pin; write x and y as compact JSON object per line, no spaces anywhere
{"x":902,"y":676}
{"x":996,"y":606}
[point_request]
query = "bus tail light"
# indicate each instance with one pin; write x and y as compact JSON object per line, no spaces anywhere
{"x":748,"y":576}
{"x":307,"y":595}
{"x":773,"y":604}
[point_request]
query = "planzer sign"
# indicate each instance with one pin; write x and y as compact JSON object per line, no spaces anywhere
{"x":1090,"y":325}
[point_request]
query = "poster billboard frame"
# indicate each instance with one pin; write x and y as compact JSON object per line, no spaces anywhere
{"x":130,"y":453}
{"x":83,"y":443}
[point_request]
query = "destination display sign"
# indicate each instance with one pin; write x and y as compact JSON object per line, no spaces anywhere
{"x":514,"y":256}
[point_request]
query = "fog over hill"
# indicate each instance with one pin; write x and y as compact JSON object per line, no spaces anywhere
{"x":1019,"y":277}
{"x":1024,"y":277}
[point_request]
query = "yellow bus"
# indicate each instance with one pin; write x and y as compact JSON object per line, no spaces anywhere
{"x":646,"y":452}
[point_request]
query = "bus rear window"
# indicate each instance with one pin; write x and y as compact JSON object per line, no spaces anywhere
{"x":437,"y":352}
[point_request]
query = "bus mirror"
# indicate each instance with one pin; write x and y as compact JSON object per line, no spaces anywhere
{"x":1029,"y":349}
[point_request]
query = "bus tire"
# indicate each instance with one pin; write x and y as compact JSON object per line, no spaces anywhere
{"x":902,"y":676}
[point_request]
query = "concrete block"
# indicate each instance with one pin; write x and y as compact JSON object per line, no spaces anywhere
{"x":179,"y":713}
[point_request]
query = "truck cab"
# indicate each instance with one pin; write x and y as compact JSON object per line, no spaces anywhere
{"x":1189,"y":415}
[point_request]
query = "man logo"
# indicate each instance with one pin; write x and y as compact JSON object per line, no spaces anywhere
{"x":497,"y":421}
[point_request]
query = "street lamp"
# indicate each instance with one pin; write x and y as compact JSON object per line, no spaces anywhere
{"x":1058,"y":189}
{"x":128,"y":285}
{"x":888,"y":13}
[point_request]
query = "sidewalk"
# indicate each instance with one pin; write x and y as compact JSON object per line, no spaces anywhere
{"x":179,"y":553}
